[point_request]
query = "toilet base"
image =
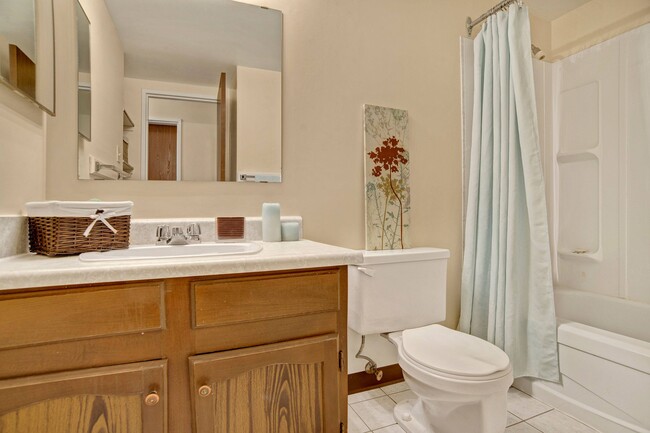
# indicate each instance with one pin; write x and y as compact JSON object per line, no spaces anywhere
{"x":408,"y":414}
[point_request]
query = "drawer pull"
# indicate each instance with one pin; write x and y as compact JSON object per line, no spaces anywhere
{"x":152,"y":399}
{"x":205,"y":391}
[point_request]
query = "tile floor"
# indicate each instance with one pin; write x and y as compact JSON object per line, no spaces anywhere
{"x":372,"y":412}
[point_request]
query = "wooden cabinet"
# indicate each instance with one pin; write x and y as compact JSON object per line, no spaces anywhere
{"x":284,"y":387}
{"x":118,"y":399}
{"x":234,"y":353}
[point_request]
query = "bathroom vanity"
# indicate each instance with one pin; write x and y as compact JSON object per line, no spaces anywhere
{"x":238,"y":344}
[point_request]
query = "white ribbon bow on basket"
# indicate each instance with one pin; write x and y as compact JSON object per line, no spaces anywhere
{"x":100,"y":215}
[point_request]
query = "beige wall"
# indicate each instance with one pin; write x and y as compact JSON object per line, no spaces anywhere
{"x":259,"y":121}
{"x":336,"y":58}
{"x":338,"y":55}
{"x":22,"y":153}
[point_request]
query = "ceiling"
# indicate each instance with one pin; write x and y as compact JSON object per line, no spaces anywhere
{"x":550,"y":10}
{"x":193,"y":41}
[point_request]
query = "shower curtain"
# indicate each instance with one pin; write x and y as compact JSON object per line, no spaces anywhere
{"x":507,"y":287}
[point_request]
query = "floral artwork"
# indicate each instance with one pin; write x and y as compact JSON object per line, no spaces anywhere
{"x":388,"y":198}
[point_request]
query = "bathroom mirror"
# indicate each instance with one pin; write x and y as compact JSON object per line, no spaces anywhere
{"x":193,"y":91}
{"x":83,"y":81}
{"x":27,"y":50}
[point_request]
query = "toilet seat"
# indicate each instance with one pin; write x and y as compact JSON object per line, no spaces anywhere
{"x":453,"y":354}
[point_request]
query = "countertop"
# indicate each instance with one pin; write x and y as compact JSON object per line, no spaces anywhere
{"x":31,"y":270}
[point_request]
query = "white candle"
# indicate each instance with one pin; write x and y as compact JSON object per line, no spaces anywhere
{"x":271,"y":231}
{"x":290,"y":231}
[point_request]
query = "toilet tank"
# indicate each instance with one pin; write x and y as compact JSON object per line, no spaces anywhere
{"x":394,"y":290}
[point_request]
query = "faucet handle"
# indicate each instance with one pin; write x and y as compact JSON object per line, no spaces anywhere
{"x":163,"y":233}
{"x":194,"y":232}
{"x":194,"y":229}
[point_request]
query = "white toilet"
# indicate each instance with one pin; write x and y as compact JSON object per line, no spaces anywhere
{"x":461,"y":381}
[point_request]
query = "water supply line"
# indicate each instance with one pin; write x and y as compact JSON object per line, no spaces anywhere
{"x":371,"y":366}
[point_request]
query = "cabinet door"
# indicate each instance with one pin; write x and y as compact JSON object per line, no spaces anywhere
{"x":289,"y":387}
{"x":118,"y":399}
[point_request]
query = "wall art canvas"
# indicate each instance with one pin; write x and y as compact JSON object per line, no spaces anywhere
{"x":388,"y":198}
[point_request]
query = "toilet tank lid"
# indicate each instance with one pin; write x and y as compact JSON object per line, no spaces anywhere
{"x":406,"y":255}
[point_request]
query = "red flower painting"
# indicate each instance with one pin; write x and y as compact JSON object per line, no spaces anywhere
{"x":387,"y":158}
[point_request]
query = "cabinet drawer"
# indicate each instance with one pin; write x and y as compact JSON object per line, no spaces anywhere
{"x":263,"y":297}
{"x":54,"y":317}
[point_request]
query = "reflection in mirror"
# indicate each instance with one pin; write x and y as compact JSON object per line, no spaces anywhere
{"x":181,"y":137}
{"x":27,"y":49}
{"x":83,"y":48}
{"x":201,"y":82}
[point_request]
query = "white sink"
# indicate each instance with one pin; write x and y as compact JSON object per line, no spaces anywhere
{"x":208,"y":249}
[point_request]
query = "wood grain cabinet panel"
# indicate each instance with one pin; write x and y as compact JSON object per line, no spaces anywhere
{"x":249,"y":299}
{"x":264,"y":353}
{"x":74,"y":315}
{"x":284,"y":387}
{"x":118,"y":399}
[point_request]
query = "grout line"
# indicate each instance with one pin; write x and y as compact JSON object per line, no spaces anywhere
{"x":359,"y":416}
{"x":539,"y":414}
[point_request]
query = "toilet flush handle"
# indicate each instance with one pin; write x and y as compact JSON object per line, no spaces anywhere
{"x":369,"y":272}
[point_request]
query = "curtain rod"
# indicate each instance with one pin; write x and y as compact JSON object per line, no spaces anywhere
{"x":469,"y":24}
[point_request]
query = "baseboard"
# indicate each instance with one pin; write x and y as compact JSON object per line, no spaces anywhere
{"x":362,"y":381}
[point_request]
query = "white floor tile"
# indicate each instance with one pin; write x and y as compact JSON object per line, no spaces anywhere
{"x":512,"y":419}
{"x":522,"y":427}
{"x":394,"y":388}
{"x":557,"y":422}
{"x":390,"y":429}
{"x":524,"y":406}
{"x":376,"y":413}
{"x":399,"y":396}
{"x":366,"y":395}
{"x":356,"y":424}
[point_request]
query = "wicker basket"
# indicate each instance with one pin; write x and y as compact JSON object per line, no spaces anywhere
{"x":64,"y":235}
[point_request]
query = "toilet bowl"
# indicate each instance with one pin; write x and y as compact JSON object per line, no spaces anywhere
{"x":460,"y":381}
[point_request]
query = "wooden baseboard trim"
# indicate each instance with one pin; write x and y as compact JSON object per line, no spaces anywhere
{"x":362,"y":381}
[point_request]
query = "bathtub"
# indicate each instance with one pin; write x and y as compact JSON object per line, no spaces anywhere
{"x":604,"y":350}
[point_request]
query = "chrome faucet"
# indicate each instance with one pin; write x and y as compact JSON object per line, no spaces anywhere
{"x":176,"y":235}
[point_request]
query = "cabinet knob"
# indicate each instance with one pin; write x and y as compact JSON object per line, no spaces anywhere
{"x":152,"y":399}
{"x":205,"y":391}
